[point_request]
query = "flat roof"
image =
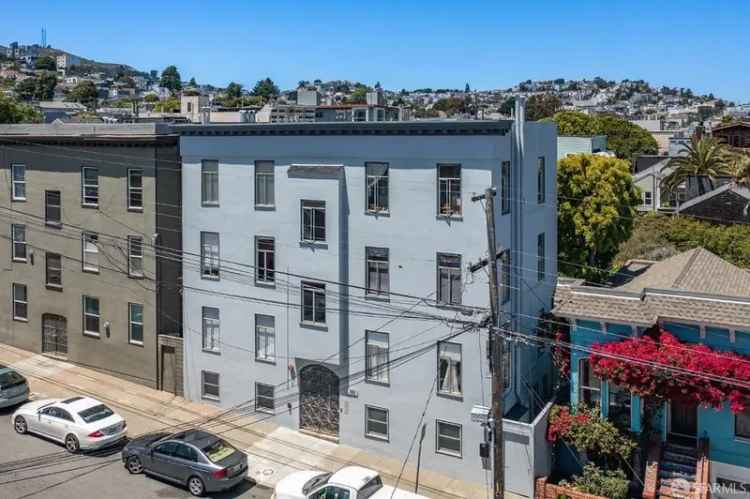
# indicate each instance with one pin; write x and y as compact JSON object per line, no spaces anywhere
{"x":124,"y":130}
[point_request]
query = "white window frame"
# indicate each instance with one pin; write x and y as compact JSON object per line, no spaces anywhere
{"x":210,"y":259}
{"x":131,"y":189}
{"x":18,"y":301}
{"x":378,"y":262}
{"x":47,"y":219}
{"x":443,"y":354}
{"x":265,"y":183}
{"x":438,"y":435}
{"x":312,"y":207}
{"x":451,"y":187}
{"x":380,"y":372}
{"x":372,"y":184}
{"x":265,"y":354}
{"x":97,"y":315}
{"x":378,"y":436}
{"x":132,"y":323}
{"x":85,"y":185}
{"x":133,"y":243}
{"x":206,"y":178}
{"x":15,"y":183}
{"x":211,"y":330}
{"x":315,"y":289}
{"x":90,"y":240}
{"x":263,"y":274}
{"x":648,"y":198}
{"x":258,"y":397}
{"x":16,"y":241}
{"x":596,"y":392}
{"x":450,"y":271}
{"x":208,"y":396}
{"x":47,"y":270}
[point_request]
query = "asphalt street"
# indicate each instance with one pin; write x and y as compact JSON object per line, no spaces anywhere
{"x":31,"y":466}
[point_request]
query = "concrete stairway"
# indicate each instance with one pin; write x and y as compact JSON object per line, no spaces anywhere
{"x":677,"y":471}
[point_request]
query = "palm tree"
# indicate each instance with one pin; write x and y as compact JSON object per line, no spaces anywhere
{"x":738,"y":166}
{"x":705,"y":158}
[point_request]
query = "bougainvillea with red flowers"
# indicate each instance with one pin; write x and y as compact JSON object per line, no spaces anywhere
{"x":561,"y":353}
{"x":585,"y":430}
{"x":645,"y":366}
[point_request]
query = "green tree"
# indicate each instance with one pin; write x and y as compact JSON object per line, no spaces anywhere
{"x":540,"y":106}
{"x":234,"y":90}
{"x":192,"y":82}
{"x":170,"y":79}
{"x":85,"y":93}
{"x":46,"y":62}
{"x":507,"y":106}
{"x":151,"y":98}
{"x":171,"y":105}
{"x":15,"y":112}
{"x":26,"y":89}
{"x":45,"y":86}
{"x":738,"y":166}
{"x":596,"y":206}
{"x":575,"y":123}
{"x":266,"y":89}
{"x":704,"y":158}
{"x":359,"y":94}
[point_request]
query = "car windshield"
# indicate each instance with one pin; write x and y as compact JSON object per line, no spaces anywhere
{"x":218,"y":450}
{"x":95,"y":413}
{"x":10,"y":378}
{"x":315,"y":482}
{"x":370,"y":488}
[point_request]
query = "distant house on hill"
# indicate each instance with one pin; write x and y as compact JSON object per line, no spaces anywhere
{"x":734,"y":134}
{"x":728,"y":203}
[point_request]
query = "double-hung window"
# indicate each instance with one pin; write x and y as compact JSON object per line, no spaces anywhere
{"x":90,"y":242}
{"x":448,"y":438}
{"x":135,"y":189}
{"x":53,"y":208}
{"x":449,"y":190}
{"x":648,"y":198}
{"x":378,"y":280}
{"x":91,"y":317}
{"x":265,"y":338}
{"x":376,"y":187}
{"x":589,"y":384}
{"x":505,"y":277}
{"x":264,"y":400}
{"x":619,"y":406}
{"x":313,"y":302}
{"x":53,"y":269}
{"x":449,"y":368}
{"x":209,"y":385}
{"x":89,"y":186}
{"x":211,"y":337}
{"x":20,"y":302}
{"x":18,"y":237}
{"x":541,"y":181}
{"x":449,"y":279}
{"x":541,"y":258}
{"x":135,"y":256}
{"x":376,"y":422}
{"x":265,"y":260}
{"x":135,"y":323}
{"x":209,"y":183}
{"x":264,"y":184}
{"x":505,"y":187}
{"x":18,"y":185}
{"x":376,"y":356}
{"x":210,"y":261}
{"x":313,"y":221}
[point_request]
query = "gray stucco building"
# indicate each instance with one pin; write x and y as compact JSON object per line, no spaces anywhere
{"x":84,"y":212}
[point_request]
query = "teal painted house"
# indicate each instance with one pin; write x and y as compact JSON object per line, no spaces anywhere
{"x":697,"y":297}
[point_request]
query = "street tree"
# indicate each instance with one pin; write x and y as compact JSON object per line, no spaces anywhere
{"x":597,"y":203}
{"x":170,"y":79}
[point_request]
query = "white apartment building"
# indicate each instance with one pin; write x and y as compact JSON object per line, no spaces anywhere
{"x":326,"y":270}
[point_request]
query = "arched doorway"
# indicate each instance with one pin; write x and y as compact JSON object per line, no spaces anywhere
{"x":319,"y":400}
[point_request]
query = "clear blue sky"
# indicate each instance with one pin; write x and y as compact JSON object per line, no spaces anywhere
{"x":703,"y":45}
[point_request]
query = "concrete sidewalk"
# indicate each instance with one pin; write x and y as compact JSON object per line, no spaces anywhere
{"x":274,"y":451}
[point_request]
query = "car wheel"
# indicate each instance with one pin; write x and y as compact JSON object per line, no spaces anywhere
{"x":71,"y":444}
{"x":20,"y":425}
{"x":134,"y":465}
{"x":195,"y":486}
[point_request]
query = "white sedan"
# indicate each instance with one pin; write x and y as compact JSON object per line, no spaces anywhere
{"x":351,"y":482}
{"x":78,"y":422}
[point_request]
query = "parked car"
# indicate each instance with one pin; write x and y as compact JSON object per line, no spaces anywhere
{"x":352,"y":482}
{"x":80,"y":423}
{"x":197,"y":459}
{"x":13,"y":387}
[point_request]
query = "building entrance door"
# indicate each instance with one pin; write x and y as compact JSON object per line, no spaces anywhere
{"x":319,"y":400}
{"x":54,"y":335}
{"x":683,"y":421}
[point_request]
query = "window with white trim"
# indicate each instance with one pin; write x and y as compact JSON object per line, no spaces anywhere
{"x":209,"y":183}
{"x":18,"y":244}
{"x":53,"y":269}
{"x":264,"y":399}
{"x":210,"y":258}
{"x":135,"y":256}
{"x":18,"y":182}
{"x":449,"y":285}
{"x":313,"y":302}
{"x":313,"y":221}
{"x":449,"y":190}
{"x":135,"y":323}
{"x":265,"y":260}
{"x":448,"y":438}
{"x":590,"y":386}
{"x":53,"y":208}
{"x":648,"y":198}
{"x":376,"y":186}
{"x":265,"y":338}
{"x":210,"y":385}
{"x":91,"y":317}
{"x":90,"y":242}
{"x":211,"y":336}
{"x":264,"y":184}
{"x":505,"y":187}
{"x":376,"y":356}
{"x":89,"y":186}
{"x":742,"y":424}
{"x":376,"y":422}
{"x":20,"y":302}
{"x":449,"y":368}
{"x":378,"y":278}
{"x":135,"y":189}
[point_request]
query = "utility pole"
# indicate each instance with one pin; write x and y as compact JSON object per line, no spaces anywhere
{"x":496,"y":351}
